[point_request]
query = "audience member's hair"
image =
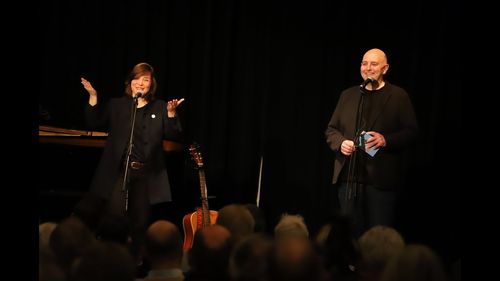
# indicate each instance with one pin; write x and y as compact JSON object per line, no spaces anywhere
{"x":378,"y":245}
{"x":415,"y":263}
{"x":163,"y":240}
{"x":293,"y":258}
{"x":209,"y":256}
{"x":68,"y":241}
{"x":291,"y":225}
{"x":249,"y":258}
{"x":237,"y":219}
{"x":44,"y":232}
{"x":48,"y":268}
{"x":104,"y":261}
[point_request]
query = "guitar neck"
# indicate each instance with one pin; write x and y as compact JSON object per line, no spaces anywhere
{"x":204,"y":198}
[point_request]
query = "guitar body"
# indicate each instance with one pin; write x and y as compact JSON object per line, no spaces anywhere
{"x":191,"y":223}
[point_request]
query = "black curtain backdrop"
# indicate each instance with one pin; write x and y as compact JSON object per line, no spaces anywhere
{"x":261,"y":80}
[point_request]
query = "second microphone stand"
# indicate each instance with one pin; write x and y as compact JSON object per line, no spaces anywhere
{"x":129,"y":152}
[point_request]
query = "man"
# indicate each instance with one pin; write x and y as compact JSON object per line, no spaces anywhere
{"x":367,"y":182}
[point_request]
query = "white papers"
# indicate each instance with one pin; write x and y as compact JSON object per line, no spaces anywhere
{"x":362,"y":139}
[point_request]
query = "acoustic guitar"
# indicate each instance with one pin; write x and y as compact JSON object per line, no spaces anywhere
{"x":203,"y":216}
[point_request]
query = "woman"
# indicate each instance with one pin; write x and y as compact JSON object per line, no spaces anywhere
{"x":147,"y":181}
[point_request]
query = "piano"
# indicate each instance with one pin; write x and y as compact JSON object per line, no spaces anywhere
{"x":56,"y":135}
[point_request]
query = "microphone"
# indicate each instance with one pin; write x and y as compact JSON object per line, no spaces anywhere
{"x":366,"y":82}
{"x":138,"y":95}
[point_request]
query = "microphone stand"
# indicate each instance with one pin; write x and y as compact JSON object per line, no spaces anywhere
{"x":352,"y":172}
{"x":129,"y":152}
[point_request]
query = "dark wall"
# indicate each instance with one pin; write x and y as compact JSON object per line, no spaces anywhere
{"x":261,"y":79}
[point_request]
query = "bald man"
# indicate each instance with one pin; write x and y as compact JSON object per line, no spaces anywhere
{"x":370,"y":131}
{"x":163,"y":245}
{"x":209,"y":257}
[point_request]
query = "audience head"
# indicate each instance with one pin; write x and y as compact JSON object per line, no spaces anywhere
{"x":44,"y":232}
{"x":378,"y":245}
{"x":69,"y":239}
{"x":104,"y":261}
{"x":291,"y":225}
{"x":415,"y":263}
{"x":48,"y":267}
{"x":294,"y":258}
{"x":237,"y":219}
{"x":209,"y":254}
{"x":163,"y":242}
{"x":249,"y":258}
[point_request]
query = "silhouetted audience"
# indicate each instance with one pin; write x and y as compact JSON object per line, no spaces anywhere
{"x":293,"y":258}
{"x":104,"y":261}
{"x":249,"y":258}
{"x":69,"y":251}
{"x":291,"y":225}
{"x":44,"y":232}
{"x":209,"y":257}
{"x":237,"y":219}
{"x":377,"y":246}
{"x":48,"y":267}
{"x":163,"y":248}
{"x":69,"y":240}
{"x":415,"y":263}
{"x":339,"y":248}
